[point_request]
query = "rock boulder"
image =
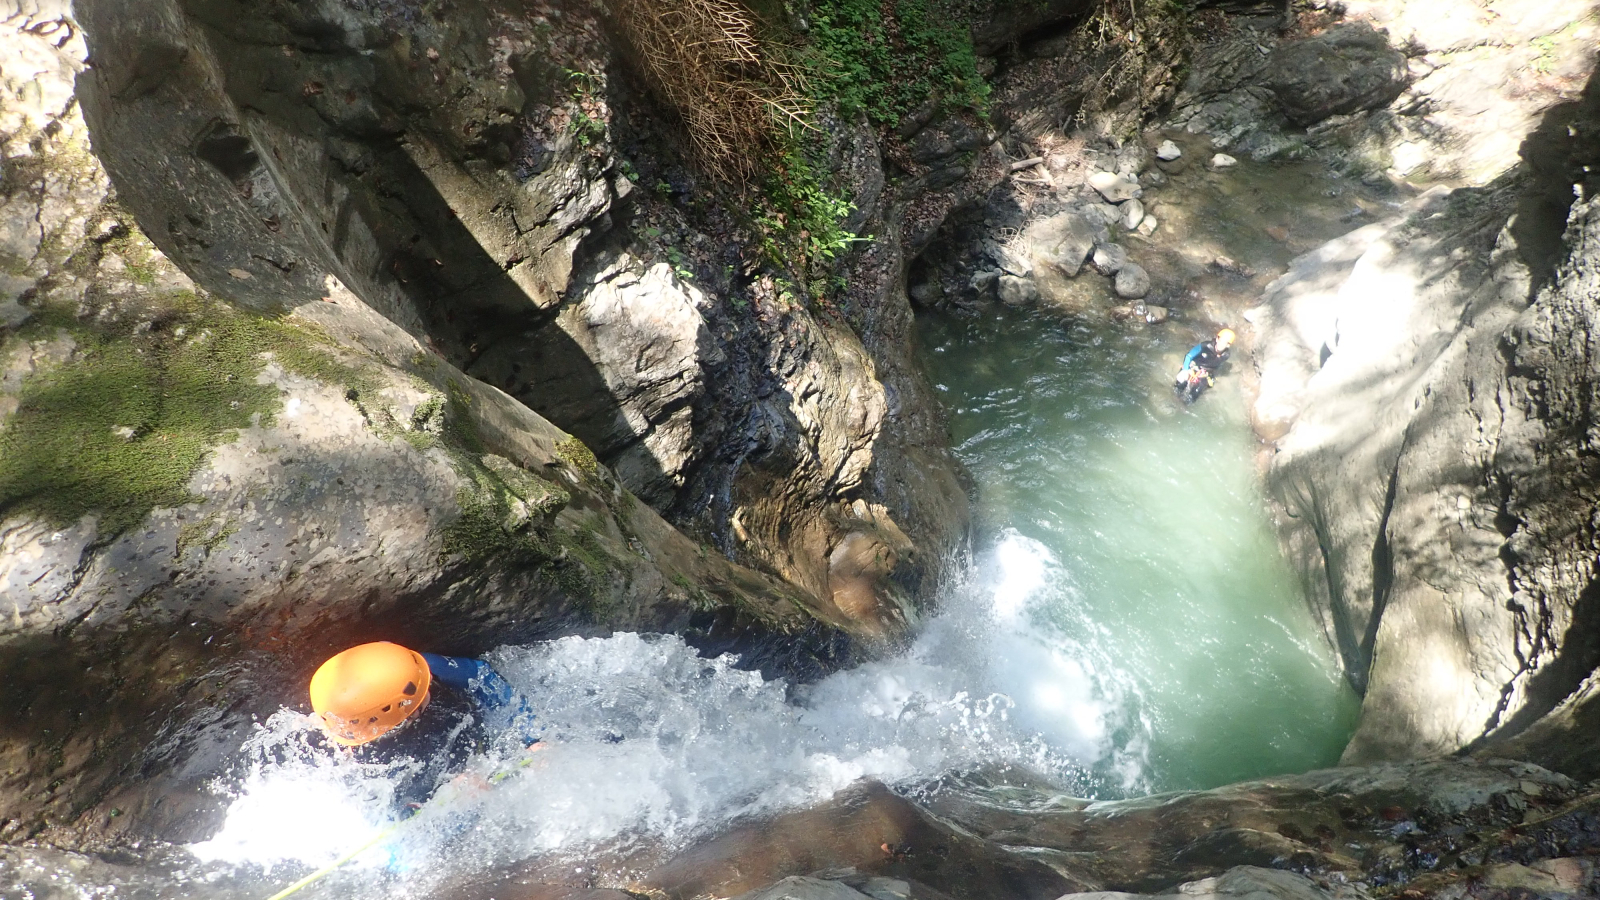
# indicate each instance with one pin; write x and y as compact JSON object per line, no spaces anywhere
{"x":1344,"y":69}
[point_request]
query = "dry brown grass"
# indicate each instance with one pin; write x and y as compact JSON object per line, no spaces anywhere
{"x":732,"y":89}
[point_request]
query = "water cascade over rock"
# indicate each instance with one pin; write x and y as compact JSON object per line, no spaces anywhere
{"x":443,"y":322}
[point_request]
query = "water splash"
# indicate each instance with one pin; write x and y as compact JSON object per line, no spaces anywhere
{"x":650,"y":745}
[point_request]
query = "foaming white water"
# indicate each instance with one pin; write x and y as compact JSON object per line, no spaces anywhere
{"x":647,"y":742}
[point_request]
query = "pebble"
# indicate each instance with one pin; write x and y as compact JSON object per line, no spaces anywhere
{"x":1223,"y":161}
{"x":1168,"y":151}
{"x":1148,"y":226}
{"x":1155,"y":315}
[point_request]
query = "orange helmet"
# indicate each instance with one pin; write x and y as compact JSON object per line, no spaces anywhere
{"x":364,"y":692}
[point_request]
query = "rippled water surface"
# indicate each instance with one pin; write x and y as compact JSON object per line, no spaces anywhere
{"x":1166,"y":578}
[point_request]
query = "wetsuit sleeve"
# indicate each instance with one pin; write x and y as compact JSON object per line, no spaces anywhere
{"x":503,"y":705}
{"x":1195,"y":351}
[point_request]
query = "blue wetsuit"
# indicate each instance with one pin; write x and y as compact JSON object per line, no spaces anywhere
{"x":469,"y":705}
{"x":504,"y":708}
{"x":1206,"y":356}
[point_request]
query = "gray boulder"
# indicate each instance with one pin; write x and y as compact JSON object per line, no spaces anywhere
{"x":1132,"y":282}
{"x":1345,"y":69}
{"x":800,"y":887}
{"x":1132,"y":159}
{"x":1132,"y":214}
{"x":1238,"y":883}
{"x":1061,"y":242}
{"x":1115,"y":187}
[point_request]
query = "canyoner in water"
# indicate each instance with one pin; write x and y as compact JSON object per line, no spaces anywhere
{"x":1200,"y":365}
{"x":378,"y":700}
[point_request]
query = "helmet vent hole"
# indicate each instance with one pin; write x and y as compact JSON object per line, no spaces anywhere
{"x":388,"y":708}
{"x":411,"y":688}
{"x":373,"y":720}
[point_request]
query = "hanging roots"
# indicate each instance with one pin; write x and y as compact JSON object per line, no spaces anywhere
{"x":705,"y":60}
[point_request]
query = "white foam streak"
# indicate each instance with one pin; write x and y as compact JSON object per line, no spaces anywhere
{"x":297,"y":803}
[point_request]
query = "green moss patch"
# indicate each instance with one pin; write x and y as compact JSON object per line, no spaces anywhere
{"x":207,"y":534}
{"x":577,"y":454}
{"x":121,"y":426}
{"x":507,"y":513}
{"x":502,"y":508}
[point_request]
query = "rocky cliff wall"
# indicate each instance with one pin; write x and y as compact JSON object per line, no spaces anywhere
{"x":491,"y":181}
{"x":1423,"y":383}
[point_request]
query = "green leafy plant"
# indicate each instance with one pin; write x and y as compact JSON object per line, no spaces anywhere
{"x":587,"y":125}
{"x":886,"y":59}
{"x":802,"y":223}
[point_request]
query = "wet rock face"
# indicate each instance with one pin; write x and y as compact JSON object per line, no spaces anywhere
{"x":1424,"y":390}
{"x":1441,"y":829}
{"x":868,"y":830}
{"x":369,"y":494}
{"x":1375,"y":827}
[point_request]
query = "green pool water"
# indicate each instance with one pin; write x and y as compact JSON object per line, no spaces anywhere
{"x":1165,"y":575}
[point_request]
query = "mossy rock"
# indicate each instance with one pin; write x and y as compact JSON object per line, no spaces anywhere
{"x":577,"y":454}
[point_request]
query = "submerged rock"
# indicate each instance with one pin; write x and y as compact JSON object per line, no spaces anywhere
{"x":1168,"y":151}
